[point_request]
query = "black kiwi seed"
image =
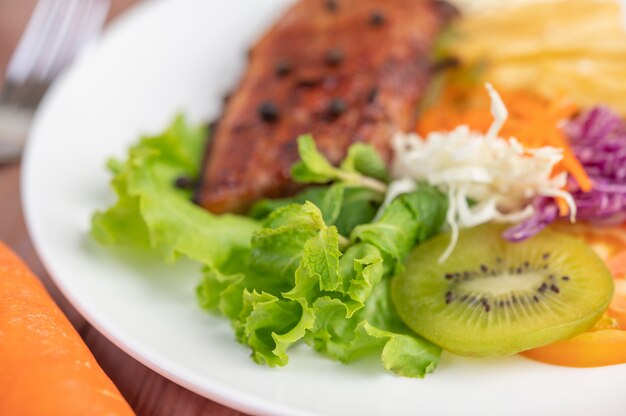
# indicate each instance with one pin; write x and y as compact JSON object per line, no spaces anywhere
{"x":494,"y":298}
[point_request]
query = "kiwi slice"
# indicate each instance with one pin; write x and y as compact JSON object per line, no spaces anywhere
{"x":492,"y":297}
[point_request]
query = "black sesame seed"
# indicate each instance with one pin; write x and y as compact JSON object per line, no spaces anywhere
{"x":507,"y":303}
{"x":331,"y":5}
{"x":449,"y":298}
{"x":449,"y":276}
{"x":184,"y":182}
{"x":484,"y":268}
{"x":545,"y":256}
{"x":501,"y":303}
{"x":519,"y":270}
{"x":268,"y":111}
{"x":377,"y":18}
{"x":464,"y":298}
{"x":536,"y":299}
{"x":526,"y":265}
{"x":282,"y":68}
{"x":566,"y":278}
{"x":336,"y":108}
{"x":487,"y":307}
{"x":334,"y":57}
{"x":514,"y":299}
{"x":371,"y":96}
{"x":542,"y":288}
{"x":554,"y":288}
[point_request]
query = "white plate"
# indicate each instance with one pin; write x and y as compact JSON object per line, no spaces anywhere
{"x":183,"y":55}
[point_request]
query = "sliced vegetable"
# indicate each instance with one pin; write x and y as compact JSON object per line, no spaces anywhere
{"x":534,"y":121}
{"x":46,"y":367}
{"x":605,"y":344}
{"x":598,"y":137}
{"x":487,"y":177}
{"x":591,"y":349}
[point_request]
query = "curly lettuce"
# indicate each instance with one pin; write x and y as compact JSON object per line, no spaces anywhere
{"x":313,"y":268}
{"x":152,"y":213}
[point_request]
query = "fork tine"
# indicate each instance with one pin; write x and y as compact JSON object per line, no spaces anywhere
{"x":21,"y":64}
{"x":67,"y":26}
{"x":88,"y":22}
{"x":57,"y":40}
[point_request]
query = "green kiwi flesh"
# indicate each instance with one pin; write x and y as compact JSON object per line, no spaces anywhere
{"x":493,"y":297}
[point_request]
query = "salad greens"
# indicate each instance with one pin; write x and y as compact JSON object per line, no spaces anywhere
{"x":312,"y":268}
{"x":151,"y":213}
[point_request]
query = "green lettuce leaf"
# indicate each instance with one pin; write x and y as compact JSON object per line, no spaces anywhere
{"x":151,"y":213}
{"x":374,"y":328}
{"x":342,"y":206}
{"x":363,"y":158}
{"x":338,"y":303}
{"x":290,"y":276}
{"x":407,"y":221}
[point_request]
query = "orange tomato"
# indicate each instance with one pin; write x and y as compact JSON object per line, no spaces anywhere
{"x":605,"y":344}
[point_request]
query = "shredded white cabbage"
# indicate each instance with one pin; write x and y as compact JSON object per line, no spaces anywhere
{"x":498,"y":175}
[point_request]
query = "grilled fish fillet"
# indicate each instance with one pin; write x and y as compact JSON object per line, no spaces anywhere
{"x":343,"y":70}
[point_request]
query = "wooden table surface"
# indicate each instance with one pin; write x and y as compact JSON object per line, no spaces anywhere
{"x":146,"y":391}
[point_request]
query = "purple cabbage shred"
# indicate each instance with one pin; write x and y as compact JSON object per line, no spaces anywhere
{"x":598,"y":139}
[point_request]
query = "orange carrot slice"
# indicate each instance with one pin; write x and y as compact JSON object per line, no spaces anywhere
{"x":45,"y":368}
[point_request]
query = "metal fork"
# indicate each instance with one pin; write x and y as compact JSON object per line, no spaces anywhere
{"x":56,"y":32}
